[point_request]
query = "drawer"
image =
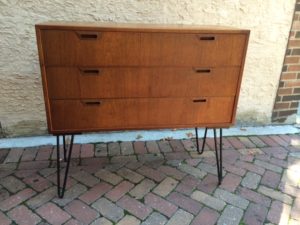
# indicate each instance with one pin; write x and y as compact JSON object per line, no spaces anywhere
{"x":169,"y":49}
{"x":88,"y":48}
{"x":133,"y":82}
{"x":142,"y":113}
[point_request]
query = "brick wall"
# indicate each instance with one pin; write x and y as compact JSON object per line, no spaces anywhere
{"x":288,"y":94}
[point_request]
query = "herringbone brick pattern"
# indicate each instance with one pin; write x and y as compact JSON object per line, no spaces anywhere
{"x":153,"y":183}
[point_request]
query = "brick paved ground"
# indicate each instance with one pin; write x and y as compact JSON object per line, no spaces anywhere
{"x":153,"y":183}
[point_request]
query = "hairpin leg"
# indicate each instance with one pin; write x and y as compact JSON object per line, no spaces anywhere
{"x":197,"y":140}
{"x":61,"y":190}
{"x":218,"y":150}
{"x":219,"y":155}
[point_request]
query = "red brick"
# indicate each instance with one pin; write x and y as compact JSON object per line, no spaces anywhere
{"x":151,"y":173}
{"x":16,"y":199}
{"x":37,"y":182}
{"x":14,"y":155}
{"x":119,"y":191}
{"x":276,"y":213}
{"x":4,"y":220}
{"x":29,"y":154}
{"x":254,"y":196}
{"x":230,"y":156}
{"x":233,"y":169}
{"x":135,"y":207}
{"x":33,"y":165}
{"x":87,"y":151}
{"x":279,"y":162}
{"x":185,"y":203}
{"x":236,"y":143}
{"x":284,"y":91}
{"x":53,"y":214}
{"x":95,"y":192}
{"x":177,"y":146}
{"x":152,"y":147}
{"x":271,"y":179}
{"x":164,"y":146}
{"x":291,"y":59}
{"x":255,"y":214}
{"x":187,"y":185}
{"x":189,"y":145}
{"x":160,"y":204}
{"x":231,"y":182}
{"x":73,"y":222}
{"x":3,"y":154}
{"x":208,"y":184}
{"x":44,"y":153}
{"x":250,"y":167}
{"x":286,"y":138}
{"x":206,"y":217}
{"x":288,"y":189}
{"x":81,"y":212}
{"x":247,"y":142}
{"x":210,"y":144}
{"x":177,"y":155}
{"x":279,"y":140}
{"x":172,"y":172}
{"x":22,"y":215}
{"x":277,"y":152}
{"x":76,"y":151}
{"x":269,"y":141}
{"x":193,"y":162}
{"x":295,"y":213}
{"x":258,"y":142}
{"x":294,"y":68}
{"x":226,"y":144}
{"x":139,"y":147}
{"x":281,"y":105}
{"x":293,"y":43}
{"x":25,"y":173}
{"x":292,"y":83}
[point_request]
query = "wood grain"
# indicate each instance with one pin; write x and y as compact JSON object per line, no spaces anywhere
{"x":141,"y":82}
{"x":104,"y":76}
{"x":120,"y":114}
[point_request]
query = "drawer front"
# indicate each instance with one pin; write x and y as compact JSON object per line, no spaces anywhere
{"x":131,"y":82}
{"x":90,"y":48}
{"x":85,"y":115}
{"x":166,"y":49}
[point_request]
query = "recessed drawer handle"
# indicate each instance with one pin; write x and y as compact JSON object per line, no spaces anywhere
{"x":201,"y":70}
{"x":199,"y":100}
{"x":91,"y":102}
{"x":207,"y":38}
{"x":89,"y":71}
{"x":88,"y":35}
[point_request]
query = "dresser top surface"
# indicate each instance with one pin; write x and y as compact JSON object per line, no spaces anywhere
{"x":139,"y":26}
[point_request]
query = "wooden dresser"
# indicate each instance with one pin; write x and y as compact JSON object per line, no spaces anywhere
{"x":99,"y":76}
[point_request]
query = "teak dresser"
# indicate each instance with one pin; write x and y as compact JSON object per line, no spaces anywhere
{"x":99,"y":76}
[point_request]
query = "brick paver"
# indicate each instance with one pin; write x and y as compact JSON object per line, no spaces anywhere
{"x":22,"y":215}
{"x":53,"y":214}
{"x":155,"y":183}
{"x":81,"y":211}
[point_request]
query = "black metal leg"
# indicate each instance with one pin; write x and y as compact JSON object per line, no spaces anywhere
{"x":197,"y":140}
{"x":65,"y":149}
{"x":61,"y":190}
{"x":218,"y":150}
{"x":219,"y":155}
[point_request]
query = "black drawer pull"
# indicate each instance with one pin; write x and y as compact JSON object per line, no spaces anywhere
{"x":200,"y":70}
{"x":89,"y":71}
{"x":91,"y":102}
{"x":199,"y":100}
{"x":207,"y":38}
{"x":88,"y":35}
